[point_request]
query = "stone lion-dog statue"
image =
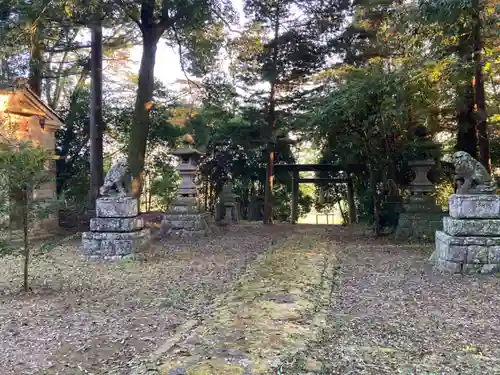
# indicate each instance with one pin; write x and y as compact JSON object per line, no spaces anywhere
{"x":115,"y":182}
{"x":471,"y":176}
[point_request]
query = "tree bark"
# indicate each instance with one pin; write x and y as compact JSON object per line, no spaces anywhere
{"x":271,"y":122}
{"x":480,"y":99}
{"x":268,"y":192}
{"x":351,"y":202}
{"x":96,"y":121}
{"x":140,"y":124}
{"x":467,"y":130}
{"x":36,"y":61}
{"x":26,"y":243}
{"x":467,"y":127}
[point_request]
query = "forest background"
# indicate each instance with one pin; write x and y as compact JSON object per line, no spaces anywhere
{"x":258,"y":83}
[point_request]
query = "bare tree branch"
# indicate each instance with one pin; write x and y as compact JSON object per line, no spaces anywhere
{"x":130,"y":14}
{"x":183,"y":66}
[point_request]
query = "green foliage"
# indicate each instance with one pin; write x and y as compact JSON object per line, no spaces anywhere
{"x":164,"y":182}
{"x":72,"y":143}
{"x":443,"y":191}
{"x":375,"y":136}
{"x":24,"y":169}
{"x":282,"y":207}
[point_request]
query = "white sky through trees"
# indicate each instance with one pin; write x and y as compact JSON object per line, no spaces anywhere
{"x":167,"y":67}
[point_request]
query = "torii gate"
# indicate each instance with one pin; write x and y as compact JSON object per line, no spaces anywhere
{"x":296,"y":180}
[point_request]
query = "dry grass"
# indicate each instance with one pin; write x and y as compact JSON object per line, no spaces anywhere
{"x":94,"y":318}
{"x":392,"y":314}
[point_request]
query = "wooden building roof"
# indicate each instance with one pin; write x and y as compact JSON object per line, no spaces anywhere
{"x":17,"y":98}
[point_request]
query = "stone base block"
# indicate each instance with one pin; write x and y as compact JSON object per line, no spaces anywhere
{"x":419,"y":225}
{"x":184,"y":205}
{"x":114,"y":244}
{"x":117,"y":207}
{"x":187,"y":224}
{"x":471,"y":227}
{"x":422,"y":203}
{"x":464,"y":206}
{"x":466,"y":254}
{"x":113,"y":224}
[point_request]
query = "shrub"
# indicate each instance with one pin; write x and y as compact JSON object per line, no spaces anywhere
{"x":23,"y":169}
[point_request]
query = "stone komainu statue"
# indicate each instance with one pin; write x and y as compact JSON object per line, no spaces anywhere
{"x":471,"y":176}
{"x":115,"y":180}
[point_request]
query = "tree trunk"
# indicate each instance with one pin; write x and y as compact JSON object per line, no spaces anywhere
{"x":205,"y":190}
{"x":25,"y":241}
{"x":36,"y":61}
{"x":268,"y":190}
{"x":480,"y":108}
{"x":96,"y":121}
{"x":351,"y":202}
{"x":374,"y":196}
{"x":140,"y":124}
{"x":467,"y":130}
{"x":271,"y":122}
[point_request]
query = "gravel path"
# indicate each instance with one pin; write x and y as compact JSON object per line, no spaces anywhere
{"x":94,"y":318}
{"x":391,"y":314}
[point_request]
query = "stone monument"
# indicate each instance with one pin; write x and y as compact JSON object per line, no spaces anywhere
{"x":117,"y":231}
{"x":185,"y":217}
{"x":421,"y":216}
{"x":470,"y":240}
{"x":227,"y":210}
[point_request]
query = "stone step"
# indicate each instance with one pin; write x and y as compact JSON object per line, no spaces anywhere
{"x":114,"y":244}
{"x":471,"y":227}
{"x":187,"y":222}
{"x":117,"y":207}
{"x":464,"y":206}
{"x":472,"y":254}
{"x":114,"y":224}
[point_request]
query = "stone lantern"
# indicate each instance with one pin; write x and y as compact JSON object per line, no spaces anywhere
{"x":421,"y":216}
{"x":185,"y":217}
{"x":228,"y":203}
{"x":421,"y":188}
{"x":187,"y":194}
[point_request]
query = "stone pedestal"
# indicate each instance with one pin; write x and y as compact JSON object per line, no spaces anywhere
{"x":184,"y":219}
{"x":117,"y":231}
{"x":470,"y":240}
{"x":421,"y":217}
{"x":255,"y":208}
{"x":228,"y":214}
{"x":187,"y":224}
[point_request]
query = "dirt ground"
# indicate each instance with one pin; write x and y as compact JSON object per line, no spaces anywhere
{"x":390,"y":313}
{"x":273,"y":309}
{"x":95,"y":318}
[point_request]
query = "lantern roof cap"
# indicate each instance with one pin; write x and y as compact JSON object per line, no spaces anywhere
{"x":187,"y":149}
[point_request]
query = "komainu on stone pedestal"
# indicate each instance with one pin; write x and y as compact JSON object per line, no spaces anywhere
{"x":470,"y":240}
{"x":471,"y":176}
{"x":117,"y":232}
{"x":114,"y":182}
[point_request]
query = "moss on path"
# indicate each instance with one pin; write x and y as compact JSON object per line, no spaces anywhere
{"x":270,"y":313}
